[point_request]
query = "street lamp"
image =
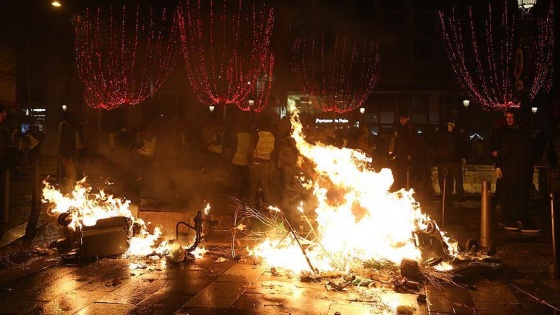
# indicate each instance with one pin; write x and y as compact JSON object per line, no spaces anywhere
{"x":466,"y":103}
{"x":362,"y":110}
{"x":56,"y":4}
{"x":526,"y":5}
{"x":534,"y":109}
{"x":211,"y":108}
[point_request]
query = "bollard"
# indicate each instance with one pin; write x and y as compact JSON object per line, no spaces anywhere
{"x":553,"y":267}
{"x":485,"y":215}
{"x":443,"y":193}
{"x":6,"y":214}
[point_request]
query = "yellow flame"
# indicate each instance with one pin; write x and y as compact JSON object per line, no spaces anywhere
{"x":85,"y":208}
{"x":358,"y":218}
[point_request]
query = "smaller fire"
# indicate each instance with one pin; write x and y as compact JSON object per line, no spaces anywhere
{"x":83,"y":208}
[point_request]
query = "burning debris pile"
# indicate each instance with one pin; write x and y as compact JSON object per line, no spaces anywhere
{"x":358,"y":229}
{"x":99,"y":225}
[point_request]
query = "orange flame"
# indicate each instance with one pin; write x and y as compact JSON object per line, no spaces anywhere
{"x":365,"y":222}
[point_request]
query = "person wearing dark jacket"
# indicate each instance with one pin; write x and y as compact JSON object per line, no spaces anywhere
{"x":5,"y":148}
{"x":515,"y":168}
{"x":551,"y":158}
{"x":450,"y":149}
{"x":407,"y":145}
{"x":496,"y":139}
{"x":67,"y":152}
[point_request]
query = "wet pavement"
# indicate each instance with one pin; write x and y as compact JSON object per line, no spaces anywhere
{"x":36,"y":280}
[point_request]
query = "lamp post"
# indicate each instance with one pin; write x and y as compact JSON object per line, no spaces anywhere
{"x":211,"y":108}
{"x":466,"y":103}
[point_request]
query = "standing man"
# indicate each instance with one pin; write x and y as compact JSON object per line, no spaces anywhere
{"x":240,"y":161}
{"x":5,"y":144}
{"x":450,"y":149}
{"x":515,"y":168}
{"x":406,"y":147}
{"x":261,"y":152}
{"x":551,"y":158}
{"x":67,"y":151}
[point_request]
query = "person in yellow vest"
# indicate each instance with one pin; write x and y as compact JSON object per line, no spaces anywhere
{"x":144,"y":154}
{"x":261,"y":152}
{"x":240,"y":162}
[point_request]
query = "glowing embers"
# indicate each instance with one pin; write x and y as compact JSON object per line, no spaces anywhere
{"x":339,"y":75}
{"x":226,"y":49}
{"x":124,"y":55}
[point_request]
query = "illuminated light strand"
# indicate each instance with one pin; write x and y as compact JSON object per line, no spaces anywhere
{"x":225,"y":48}
{"x":339,"y":79}
{"x":122,"y":57}
{"x":485,"y":69}
{"x":261,"y":89}
{"x":543,"y":59}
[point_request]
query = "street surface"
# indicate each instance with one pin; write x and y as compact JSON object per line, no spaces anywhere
{"x":36,"y":280}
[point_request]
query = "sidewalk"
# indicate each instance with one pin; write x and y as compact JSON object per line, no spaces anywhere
{"x":31,"y":281}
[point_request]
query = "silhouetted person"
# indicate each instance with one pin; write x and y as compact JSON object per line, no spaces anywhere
{"x":515,"y":168}
{"x":66,"y":152}
{"x":406,"y":147}
{"x":450,"y":149}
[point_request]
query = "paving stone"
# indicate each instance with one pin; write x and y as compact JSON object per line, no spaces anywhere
{"x":242,"y":272}
{"x":218,"y":295}
{"x":105,"y":308}
{"x":70,"y":302}
{"x":494,"y":298}
{"x":133,"y":292}
{"x":449,"y":299}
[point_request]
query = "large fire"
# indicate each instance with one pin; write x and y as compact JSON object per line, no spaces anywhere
{"x":364,"y":222}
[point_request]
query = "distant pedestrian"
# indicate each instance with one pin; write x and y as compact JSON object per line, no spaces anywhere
{"x":551,"y":158}
{"x":144,"y":153}
{"x":5,"y":148}
{"x":262,"y":152}
{"x":240,"y":162}
{"x":496,"y":140}
{"x":406,"y":148}
{"x":81,"y":150}
{"x":34,"y":140}
{"x":364,"y":141}
{"x":66,"y":152}
{"x":450,"y":149}
{"x":124,"y":143}
{"x":515,"y":168}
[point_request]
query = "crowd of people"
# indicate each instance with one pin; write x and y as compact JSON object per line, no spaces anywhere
{"x":261,"y":160}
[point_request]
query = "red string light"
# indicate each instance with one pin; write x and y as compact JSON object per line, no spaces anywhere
{"x":257,"y":100}
{"x":543,"y":54}
{"x":482,"y":56}
{"x":226,"y":48}
{"x":339,"y":77}
{"x":124,"y":56}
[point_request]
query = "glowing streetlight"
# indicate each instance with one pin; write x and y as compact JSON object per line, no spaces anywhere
{"x":466,"y":103}
{"x":56,"y":4}
{"x":526,"y":5}
{"x":211,"y":108}
{"x":534,"y":109}
{"x":362,"y":110}
{"x":64,"y":107}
